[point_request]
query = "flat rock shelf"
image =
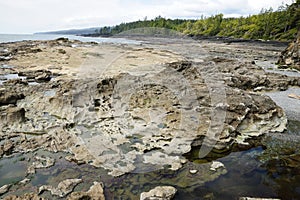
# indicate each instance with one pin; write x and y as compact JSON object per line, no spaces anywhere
{"x":167,"y":118}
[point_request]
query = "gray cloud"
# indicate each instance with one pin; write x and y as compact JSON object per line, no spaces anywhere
{"x":20,"y":16}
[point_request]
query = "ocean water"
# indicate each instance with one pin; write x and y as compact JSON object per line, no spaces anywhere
{"x":20,"y":37}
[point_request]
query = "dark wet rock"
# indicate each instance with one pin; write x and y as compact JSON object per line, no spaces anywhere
{"x":10,"y":115}
{"x":62,"y":51}
{"x":94,"y":193}
{"x":38,"y":75}
{"x":7,"y":148}
{"x":281,"y":148}
{"x":45,"y":77}
{"x":15,"y":115}
{"x":62,"y":40}
{"x":248,"y":76}
{"x":159,"y":193}
{"x":16,"y":82}
{"x":10,"y":97}
{"x":290,"y":57}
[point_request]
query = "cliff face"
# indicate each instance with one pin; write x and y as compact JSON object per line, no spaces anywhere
{"x":290,"y":57}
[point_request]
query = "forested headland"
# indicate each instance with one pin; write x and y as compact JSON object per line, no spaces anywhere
{"x":281,"y":24}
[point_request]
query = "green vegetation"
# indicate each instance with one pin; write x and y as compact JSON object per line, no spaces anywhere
{"x":281,"y":24}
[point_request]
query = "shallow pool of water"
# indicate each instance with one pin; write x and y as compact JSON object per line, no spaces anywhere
{"x":6,"y":77}
{"x":12,"y":169}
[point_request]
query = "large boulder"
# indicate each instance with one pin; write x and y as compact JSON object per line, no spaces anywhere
{"x":290,"y":57}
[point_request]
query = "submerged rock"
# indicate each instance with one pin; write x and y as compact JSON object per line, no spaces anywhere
{"x":40,"y":163}
{"x":64,"y":188}
{"x":159,"y":193}
{"x":94,"y":193}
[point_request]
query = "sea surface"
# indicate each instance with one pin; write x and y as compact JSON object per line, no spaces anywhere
{"x":21,"y":37}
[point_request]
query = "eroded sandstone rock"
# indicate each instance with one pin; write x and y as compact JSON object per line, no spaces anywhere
{"x":94,"y":193}
{"x":64,"y":188}
{"x":290,"y":57}
{"x":96,"y":119}
{"x":7,"y":148}
{"x":147,"y":108}
{"x":9,"y":97}
{"x":27,"y":196}
{"x":159,"y":193}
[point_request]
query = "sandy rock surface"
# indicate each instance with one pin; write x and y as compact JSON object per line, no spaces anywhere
{"x":125,"y":108}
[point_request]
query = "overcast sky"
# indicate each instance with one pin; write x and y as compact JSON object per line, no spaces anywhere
{"x":29,"y":16}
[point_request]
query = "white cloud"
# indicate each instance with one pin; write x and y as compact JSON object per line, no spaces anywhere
{"x":20,"y":16}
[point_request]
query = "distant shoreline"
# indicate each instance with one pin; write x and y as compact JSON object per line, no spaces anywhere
{"x":197,"y":37}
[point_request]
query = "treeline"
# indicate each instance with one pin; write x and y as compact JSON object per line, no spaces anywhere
{"x":158,"y":22}
{"x":281,"y":24}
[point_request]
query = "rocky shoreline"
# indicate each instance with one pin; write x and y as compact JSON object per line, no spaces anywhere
{"x":134,"y":108}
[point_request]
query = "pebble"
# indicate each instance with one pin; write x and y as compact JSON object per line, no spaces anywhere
{"x":216,"y":165}
{"x":193,"y":171}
